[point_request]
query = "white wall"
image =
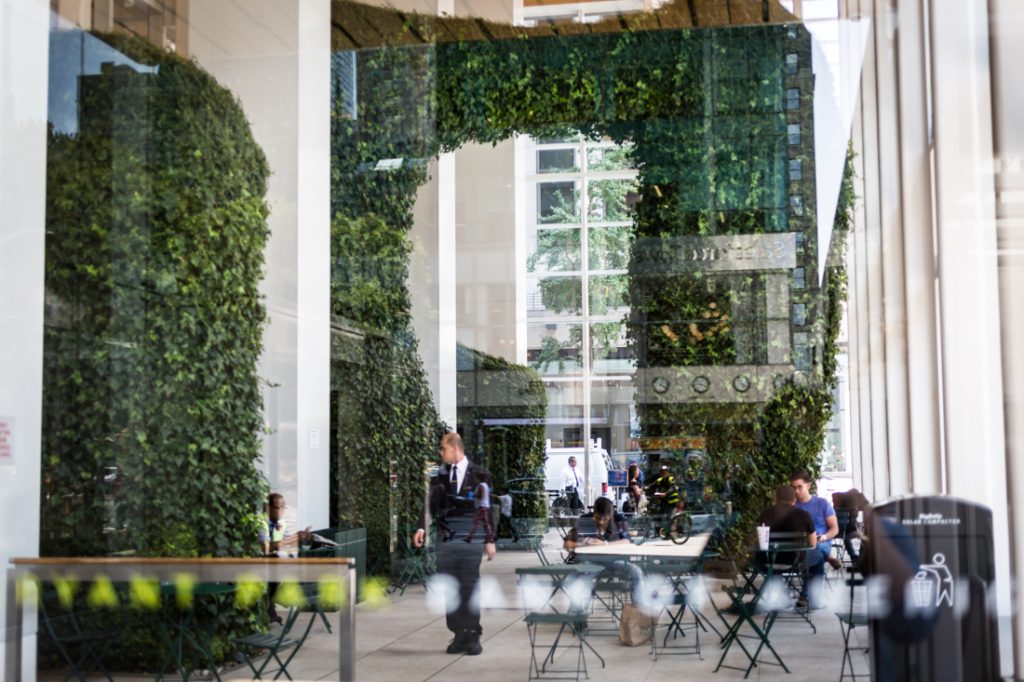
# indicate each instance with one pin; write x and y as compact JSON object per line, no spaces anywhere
{"x":24,"y":41}
{"x":275,"y":56}
{"x":486,"y":234}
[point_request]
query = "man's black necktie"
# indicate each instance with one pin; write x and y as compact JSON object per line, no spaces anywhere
{"x":454,"y":483}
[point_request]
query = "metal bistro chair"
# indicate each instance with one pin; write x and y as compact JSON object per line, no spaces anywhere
{"x":418,"y":563}
{"x":80,"y":646}
{"x":747,"y":599}
{"x":676,"y":574}
{"x":854,"y":616}
{"x":290,"y":637}
{"x":539,"y":624}
{"x":793,"y":575}
{"x":847,"y":519}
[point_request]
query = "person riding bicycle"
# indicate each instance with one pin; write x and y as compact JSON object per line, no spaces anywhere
{"x":663,"y":495}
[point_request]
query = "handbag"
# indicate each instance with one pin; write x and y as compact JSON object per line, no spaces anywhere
{"x":636,"y":627}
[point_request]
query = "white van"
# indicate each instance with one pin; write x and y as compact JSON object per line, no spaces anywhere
{"x":558,"y":461}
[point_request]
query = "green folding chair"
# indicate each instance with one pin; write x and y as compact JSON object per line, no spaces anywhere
{"x":80,"y":646}
{"x":853,"y":617}
{"x":417,"y":563}
{"x":539,"y":624}
{"x":270,"y":646}
{"x":746,"y":604}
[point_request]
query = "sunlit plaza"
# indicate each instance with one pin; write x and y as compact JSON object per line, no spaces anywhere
{"x":690,"y":323}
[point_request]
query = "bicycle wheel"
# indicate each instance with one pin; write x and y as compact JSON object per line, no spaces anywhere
{"x":680,"y":527}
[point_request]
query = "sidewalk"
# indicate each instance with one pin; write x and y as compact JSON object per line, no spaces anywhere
{"x":404,"y":641}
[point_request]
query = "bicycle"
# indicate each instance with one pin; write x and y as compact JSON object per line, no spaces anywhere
{"x":677,"y":526}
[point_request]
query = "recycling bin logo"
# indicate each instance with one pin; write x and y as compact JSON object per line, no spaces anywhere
{"x":932,"y":585}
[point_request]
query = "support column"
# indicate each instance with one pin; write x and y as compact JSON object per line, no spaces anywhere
{"x":24,"y":62}
{"x":969,"y":293}
{"x":859,"y":281}
{"x":855,"y":446}
{"x":926,"y":458}
{"x":1008,"y":109}
{"x":891,"y":229}
{"x":875,"y":314}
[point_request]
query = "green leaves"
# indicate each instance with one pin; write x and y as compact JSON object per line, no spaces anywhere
{"x":156,"y":228}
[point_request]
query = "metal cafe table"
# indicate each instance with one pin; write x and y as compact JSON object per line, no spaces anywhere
{"x":660,"y":556}
{"x":339,"y":571}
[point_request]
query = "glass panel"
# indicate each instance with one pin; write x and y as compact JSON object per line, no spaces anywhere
{"x":556,"y":160}
{"x":609,"y":247}
{"x":609,"y":294}
{"x":611,"y":353}
{"x":798,"y":278}
{"x":555,"y":294}
{"x":796,"y":170}
{"x":554,"y":348}
{"x":554,"y":249}
{"x":792,"y":98}
{"x":609,"y":158}
{"x":608,"y":200}
{"x":799,"y":314}
{"x":796,"y":204}
{"x":558,"y":202}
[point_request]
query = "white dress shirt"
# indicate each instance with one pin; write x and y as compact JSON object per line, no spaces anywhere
{"x":571,"y":478}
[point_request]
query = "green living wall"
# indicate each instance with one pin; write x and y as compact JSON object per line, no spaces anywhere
{"x":385,"y":420}
{"x":156,"y":226}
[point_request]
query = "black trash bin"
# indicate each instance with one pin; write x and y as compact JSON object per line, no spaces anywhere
{"x":936,"y":556}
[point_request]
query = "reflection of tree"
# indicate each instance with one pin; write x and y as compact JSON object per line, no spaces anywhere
{"x":605,"y":339}
{"x":607,"y":199}
{"x":559,"y":250}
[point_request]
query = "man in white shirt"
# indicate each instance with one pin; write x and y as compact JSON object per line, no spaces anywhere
{"x":573,"y":478}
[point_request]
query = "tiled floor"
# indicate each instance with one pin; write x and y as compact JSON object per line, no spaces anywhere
{"x":405,"y":641}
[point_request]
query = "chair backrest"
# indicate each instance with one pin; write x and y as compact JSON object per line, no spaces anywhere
{"x":791,"y":559}
{"x":843,"y":518}
{"x":789,"y":537}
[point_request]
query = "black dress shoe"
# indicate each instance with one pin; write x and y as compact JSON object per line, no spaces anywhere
{"x":458,"y":645}
{"x":473,"y":647}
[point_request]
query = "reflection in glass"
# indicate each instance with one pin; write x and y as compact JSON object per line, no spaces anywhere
{"x":610,"y":351}
{"x":554,"y":348}
{"x":608,"y":293}
{"x":609,"y":158}
{"x":609,"y":247}
{"x":607,"y":200}
{"x":555,"y":249}
{"x":558,"y":202}
{"x":555,"y":294}
{"x":556,"y":161}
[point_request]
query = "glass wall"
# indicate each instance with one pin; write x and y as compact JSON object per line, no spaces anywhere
{"x":288,"y":246}
{"x":621,"y":248}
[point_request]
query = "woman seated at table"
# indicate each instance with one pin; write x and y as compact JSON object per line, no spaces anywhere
{"x":609,"y":526}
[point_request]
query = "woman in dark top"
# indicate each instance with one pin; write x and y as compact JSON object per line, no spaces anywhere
{"x":609,"y":526}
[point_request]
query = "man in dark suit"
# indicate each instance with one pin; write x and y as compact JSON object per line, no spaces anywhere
{"x":450,"y":503}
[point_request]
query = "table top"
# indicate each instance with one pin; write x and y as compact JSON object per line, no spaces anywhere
{"x":661,"y":549}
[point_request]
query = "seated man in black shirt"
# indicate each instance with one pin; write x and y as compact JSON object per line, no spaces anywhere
{"x":784,"y":517}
